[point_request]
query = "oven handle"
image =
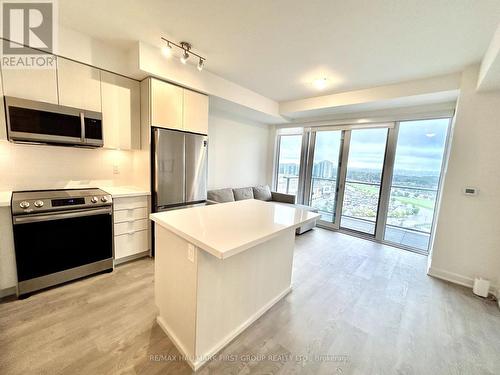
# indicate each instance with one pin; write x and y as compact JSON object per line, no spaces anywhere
{"x":57,"y":216}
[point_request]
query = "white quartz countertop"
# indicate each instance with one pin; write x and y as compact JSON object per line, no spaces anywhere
{"x":5,"y":198}
{"x":115,"y":191}
{"x":226,"y":229}
{"x":124,"y":191}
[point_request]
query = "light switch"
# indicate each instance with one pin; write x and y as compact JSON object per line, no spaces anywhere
{"x":191,"y":249}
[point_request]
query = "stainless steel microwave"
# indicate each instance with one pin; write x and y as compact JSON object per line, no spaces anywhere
{"x":32,"y":121}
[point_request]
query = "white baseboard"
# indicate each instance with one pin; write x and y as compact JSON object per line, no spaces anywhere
{"x":7,"y":291}
{"x":132,"y":257}
{"x":170,"y":333}
{"x":199,"y":360}
{"x":458,"y":279}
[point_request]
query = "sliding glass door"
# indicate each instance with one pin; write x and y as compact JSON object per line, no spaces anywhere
{"x":363,"y":179}
{"x":324,"y":179}
{"x":380,"y":181}
{"x":414,"y":187}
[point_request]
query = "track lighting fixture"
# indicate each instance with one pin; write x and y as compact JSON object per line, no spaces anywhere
{"x":186,"y":52}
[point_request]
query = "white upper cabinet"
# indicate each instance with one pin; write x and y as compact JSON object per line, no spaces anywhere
{"x":33,"y":84}
{"x":79,"y":85}
{"x":166,"y":105}
{"x":120,"y":111}
{"x":195,"y":113}
{"x":172,"y":107}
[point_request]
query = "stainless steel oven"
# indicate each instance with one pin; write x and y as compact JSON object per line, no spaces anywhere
{"x":31,"y":121}
{"x":61,"y":235}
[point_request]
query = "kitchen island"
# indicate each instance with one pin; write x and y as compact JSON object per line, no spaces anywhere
{"x":218,"y":268}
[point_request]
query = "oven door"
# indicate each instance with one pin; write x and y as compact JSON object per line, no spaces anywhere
{"x":46,"y":244}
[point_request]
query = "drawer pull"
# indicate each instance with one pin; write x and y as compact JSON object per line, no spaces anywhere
{"x":131,"y":232}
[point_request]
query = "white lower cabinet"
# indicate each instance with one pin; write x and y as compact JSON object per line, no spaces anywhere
{"x":131,"y":227}
{"x":131,"y":244}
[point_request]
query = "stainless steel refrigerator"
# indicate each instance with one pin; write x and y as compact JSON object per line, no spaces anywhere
{"x":179,"y":169}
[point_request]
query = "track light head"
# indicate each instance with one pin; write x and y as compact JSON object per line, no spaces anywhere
{"x":167,"y":50}
{"x":184,"y":57}
{"x":201,"y":62}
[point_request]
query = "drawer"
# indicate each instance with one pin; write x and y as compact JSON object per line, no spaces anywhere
{"x":130,"y":214}
{"x":130,"y":226}
{"x":130,"y":202}
{"x":130,"y":244}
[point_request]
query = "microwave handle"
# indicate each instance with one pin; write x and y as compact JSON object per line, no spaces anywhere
{"x":82,"y":124}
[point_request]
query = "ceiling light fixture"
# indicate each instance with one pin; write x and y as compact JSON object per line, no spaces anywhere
{"x":320,"y":83}
{"x":186,"y":52}
{"x":167,"y":50}
{"x":184,"y":57}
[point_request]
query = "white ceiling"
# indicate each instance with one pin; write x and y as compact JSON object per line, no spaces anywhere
{"x":278,"y":47}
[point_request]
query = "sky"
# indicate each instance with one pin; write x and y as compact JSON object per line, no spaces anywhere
{"x":420,"y":146}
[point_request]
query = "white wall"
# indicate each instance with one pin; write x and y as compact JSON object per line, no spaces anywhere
{"x":25,"y":166}
{"x":467,"y":241}
{"x":239,"y":152}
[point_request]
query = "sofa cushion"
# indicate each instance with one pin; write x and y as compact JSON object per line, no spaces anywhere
{"x":221,"y":195}
{"x":243,"y":193}
{"x":262,"y":192}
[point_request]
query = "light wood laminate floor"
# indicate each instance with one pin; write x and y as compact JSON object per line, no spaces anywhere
{"x":357,"y":307}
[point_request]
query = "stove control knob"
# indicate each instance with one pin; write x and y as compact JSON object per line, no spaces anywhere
{"x":94,"y":200}
{"x":104,"y":199}
{"x":38,"y":204}
{"x":24,"y":204}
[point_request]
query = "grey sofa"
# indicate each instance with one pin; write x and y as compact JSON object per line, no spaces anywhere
{"x":261,"y":192}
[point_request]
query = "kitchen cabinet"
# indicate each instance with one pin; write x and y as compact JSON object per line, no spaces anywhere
{"x":33,"y":84}
{"x":171,"y":107}
{"x":195,"y":112}
{"x":79,"y":85}
{"x":120,"y":111}
{"x":166,"y":105}
{"x":131,"y":228}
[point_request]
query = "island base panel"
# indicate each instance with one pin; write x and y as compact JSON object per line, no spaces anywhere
{"x":205,"y":303}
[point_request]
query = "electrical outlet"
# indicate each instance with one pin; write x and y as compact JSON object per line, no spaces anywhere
{"x":191,"y":249}
{"x":116,"y":169}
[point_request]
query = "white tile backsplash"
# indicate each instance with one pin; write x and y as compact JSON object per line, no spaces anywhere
{"x":24,"y":166}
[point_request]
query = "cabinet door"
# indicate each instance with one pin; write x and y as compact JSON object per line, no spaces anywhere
{"x":195,"y":114}
{"x":33,"y":84}
{"x":166,"y":105}
{"x":79,"y":85}
{"x":120,"y":111}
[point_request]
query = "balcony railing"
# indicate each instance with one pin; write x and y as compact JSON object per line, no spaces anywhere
{"x":291,"y":183}
{"x":404,"y":187}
